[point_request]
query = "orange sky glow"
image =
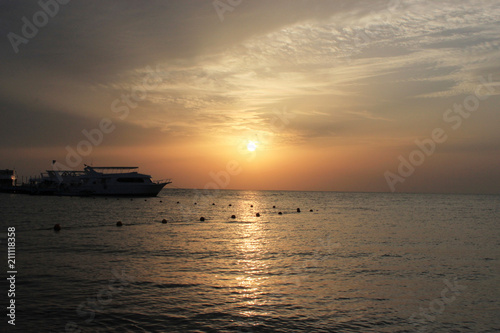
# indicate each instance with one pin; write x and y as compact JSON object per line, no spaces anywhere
{"x":397,"y":96}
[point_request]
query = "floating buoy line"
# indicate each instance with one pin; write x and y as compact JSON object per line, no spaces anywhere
{"x":57,"y":226}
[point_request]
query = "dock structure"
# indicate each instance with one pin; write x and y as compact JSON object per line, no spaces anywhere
{"x":8,"y":178}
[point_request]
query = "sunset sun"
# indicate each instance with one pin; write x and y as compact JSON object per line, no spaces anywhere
{"x":251,"y":146}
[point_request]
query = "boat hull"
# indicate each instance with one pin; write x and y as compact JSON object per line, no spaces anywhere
{"x":145,"y":190}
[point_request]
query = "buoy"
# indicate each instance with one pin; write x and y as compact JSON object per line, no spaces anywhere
{"x":280,"y":213}
{"x":258,"y":214}
{"x":195,"y":203}
{"x":161,"y":201}
{"x":57,"y":227}
{"x":311,"y":210}
{"x":233,"y":216}
{"x":178,"y":202}
{"x":274,"y":206}
{"x":202,"y":219}
{"x":230,"y":205}
{"x":298,"y":210}
{"x":119,"y":223}
{"x":251,"y":205}
{"x":213,"y":203}
{"x":145,"y":199}
{"x":164,"y":221}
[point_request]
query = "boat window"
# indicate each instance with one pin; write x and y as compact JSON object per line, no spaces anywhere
{"x":130,"y":180}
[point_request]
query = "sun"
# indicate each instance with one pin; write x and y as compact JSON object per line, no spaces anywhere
{"x":252,"y":145}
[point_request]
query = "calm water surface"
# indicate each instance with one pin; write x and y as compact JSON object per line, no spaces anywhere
{"x":356,"y":263}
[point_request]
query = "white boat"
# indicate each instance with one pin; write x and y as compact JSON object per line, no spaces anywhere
{"x":97,"y":181}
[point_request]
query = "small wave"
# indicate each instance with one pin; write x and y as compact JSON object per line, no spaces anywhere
{"x":165,"y":285}
{"x":240,"y":222}
{"x":389,"y":255}
{"x":365,"y":209}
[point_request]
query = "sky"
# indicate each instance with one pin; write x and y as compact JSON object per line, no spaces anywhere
{"x":371,"y":96}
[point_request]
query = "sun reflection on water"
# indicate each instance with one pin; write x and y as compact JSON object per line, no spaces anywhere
{"x":251,"y":247}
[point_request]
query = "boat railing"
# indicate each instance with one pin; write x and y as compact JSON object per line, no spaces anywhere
{"x":161,"y":181}
{"x":108,"y":170}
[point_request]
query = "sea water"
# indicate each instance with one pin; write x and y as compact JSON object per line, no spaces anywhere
{"x":347,"y":262}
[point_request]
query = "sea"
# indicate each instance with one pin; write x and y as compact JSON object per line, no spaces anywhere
{"x":258,"y":261}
